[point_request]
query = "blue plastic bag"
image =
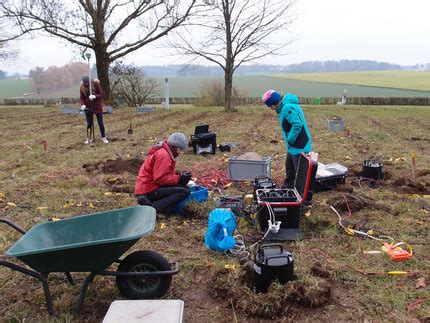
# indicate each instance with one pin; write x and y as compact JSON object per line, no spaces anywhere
{"x":221,"y":226}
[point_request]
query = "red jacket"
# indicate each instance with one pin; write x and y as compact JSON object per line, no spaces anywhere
{"x":96,"y":106}
{"x":157,"y":170}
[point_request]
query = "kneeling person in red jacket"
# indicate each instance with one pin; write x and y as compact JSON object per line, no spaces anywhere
{"x":157,"y":183}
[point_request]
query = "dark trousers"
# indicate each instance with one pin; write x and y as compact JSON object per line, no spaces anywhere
{"x":166,"y":198}
{"x":291,"y":164}
{"x":90,"y":121}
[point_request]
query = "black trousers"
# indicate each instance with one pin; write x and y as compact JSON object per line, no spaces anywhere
{"x":90,"y":121}
{"x":291,"y":164}
{"x":166,"y":198}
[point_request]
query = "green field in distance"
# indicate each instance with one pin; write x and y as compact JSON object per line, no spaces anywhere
{"x":11,"y":88}
{"x":253,"y":86}
{"x":419,"y":81}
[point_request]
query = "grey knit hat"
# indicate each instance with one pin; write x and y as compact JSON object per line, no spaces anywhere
{"x":178,"y":140}
{"x":85,"y":79}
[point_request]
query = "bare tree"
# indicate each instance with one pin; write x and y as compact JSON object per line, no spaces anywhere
{"x":237,"y":32}
{"x":37,"y":79}
{"x":112,"y":29}
{"x":6,"y":53}
{"x":129,"y":82}
{"x":56,"y":78}
{"x":212,"y":93}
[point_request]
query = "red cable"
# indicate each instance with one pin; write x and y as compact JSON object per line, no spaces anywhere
{"x":347,"y":205}
{"x":414,"y":304}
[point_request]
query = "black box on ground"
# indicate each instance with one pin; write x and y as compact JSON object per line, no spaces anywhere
{"x":203,"y":141}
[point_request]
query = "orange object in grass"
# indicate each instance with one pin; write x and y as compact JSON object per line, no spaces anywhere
{"x":396,"y":253}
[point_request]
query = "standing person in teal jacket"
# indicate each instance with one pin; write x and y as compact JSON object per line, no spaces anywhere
{"x":294,"y":128}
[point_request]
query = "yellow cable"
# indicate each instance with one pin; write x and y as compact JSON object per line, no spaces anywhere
{"x":397,"y":273}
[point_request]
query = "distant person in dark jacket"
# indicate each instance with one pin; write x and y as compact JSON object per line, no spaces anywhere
{"x":158,"y":185}
{"x":294,"y":128}
{"x":92,"y":103}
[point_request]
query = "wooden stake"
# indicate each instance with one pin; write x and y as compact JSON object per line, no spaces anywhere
{"x":45,"y":146}
{"x":413,"y":155}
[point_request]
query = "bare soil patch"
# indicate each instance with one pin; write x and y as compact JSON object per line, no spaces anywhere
{"x":117,"y":166}
{"x":329,"y":264}
{"x":352,"y":202}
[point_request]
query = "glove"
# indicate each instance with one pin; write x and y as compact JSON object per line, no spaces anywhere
{"x":92,"y":97}
{"x":83,"y":107}
{"x":184,"y":178}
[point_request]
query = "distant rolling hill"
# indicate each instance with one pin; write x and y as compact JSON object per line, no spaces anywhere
{"x":419,"y":81}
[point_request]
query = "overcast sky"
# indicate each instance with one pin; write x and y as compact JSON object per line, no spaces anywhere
{"x":394,"y":31}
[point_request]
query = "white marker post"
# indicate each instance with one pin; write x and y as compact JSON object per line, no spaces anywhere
{"x":166,"y":93}
{"x":88,"y":55}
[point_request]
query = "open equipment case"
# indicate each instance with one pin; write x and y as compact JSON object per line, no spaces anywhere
{"x":285,"y":204}
{"x":203,"y":141}
{"x":329,"y":176}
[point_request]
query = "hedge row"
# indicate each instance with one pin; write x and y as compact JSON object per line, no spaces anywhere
{"x":243,"y":101}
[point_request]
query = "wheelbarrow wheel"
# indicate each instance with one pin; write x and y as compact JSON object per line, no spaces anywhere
{"x":145,"y":287}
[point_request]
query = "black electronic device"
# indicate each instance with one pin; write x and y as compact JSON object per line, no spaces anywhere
{"x":372,"y":168}
{"x":201,"y":129}
{"x":272,"y":263}
{"x":225,"y":147}
{"x":234,"y":202}
{"x":264,"y":182}
{"x":203,"y":141}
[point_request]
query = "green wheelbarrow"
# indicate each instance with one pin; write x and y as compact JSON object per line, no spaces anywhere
{"x":91,"y":243}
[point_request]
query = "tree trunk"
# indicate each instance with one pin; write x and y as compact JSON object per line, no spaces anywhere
{"x":102,"y":64}
{"x":229,"y":62}
{"x":228,"y":87}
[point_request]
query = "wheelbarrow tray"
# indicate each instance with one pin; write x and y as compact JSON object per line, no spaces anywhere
{"x":84,"y":243}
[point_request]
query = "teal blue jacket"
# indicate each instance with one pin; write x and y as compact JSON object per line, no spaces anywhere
{"x":295,"y":130}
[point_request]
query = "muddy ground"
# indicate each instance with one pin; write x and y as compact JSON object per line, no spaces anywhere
{"x":232,"y":288}
{"x":340,"y":277}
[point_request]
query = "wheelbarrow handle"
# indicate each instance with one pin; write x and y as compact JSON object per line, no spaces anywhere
{"x":35,"y":274}
{"x":13,"y":225}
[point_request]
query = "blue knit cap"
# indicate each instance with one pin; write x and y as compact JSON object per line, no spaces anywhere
{"x":271,"y":97}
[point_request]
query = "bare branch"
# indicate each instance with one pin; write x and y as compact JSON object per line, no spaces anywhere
{"x":156,"y":32}
{"x":141,"y":9}
{"x":107,"y":27}
{"x":237,"y":32}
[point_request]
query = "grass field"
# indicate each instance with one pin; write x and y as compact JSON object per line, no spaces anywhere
{"x":255,"y":85}
{"x":389,"y":79}
{"x":71,"y":179}
{"x":11,"y":88}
